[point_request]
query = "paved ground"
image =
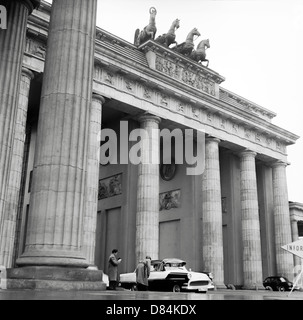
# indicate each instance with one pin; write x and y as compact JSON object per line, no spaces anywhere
{"x":128,"y":295}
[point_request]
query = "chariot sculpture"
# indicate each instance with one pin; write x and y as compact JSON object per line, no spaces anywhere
{"x":169,"y":38}
{"x":186,"y":48}
{"x":149,"y":32}
{"x":199,"y":55}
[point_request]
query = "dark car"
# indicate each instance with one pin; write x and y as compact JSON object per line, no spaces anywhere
{"x":277,"y":283}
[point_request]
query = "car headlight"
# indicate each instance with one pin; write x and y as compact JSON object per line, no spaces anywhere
{"x":189,"y":276}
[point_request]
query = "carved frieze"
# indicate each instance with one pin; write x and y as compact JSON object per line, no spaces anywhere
{"x":110,"y":187}
{"x":109,"y":78}
{"x":35,"y":47}
{"x":195,"y":113}
{"x":195,"y":79}
{"x":130,"y":86}
{"x":170,"y":200}
{"x":181,"y":108}
{"x":164,"y":99}
{"x":147,"y":93}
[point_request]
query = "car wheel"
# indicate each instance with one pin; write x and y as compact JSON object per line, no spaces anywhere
{"x":281,"y":289}
{"x":133,"y":287}
{"x":268,"y":288}
{"x":176,"y":288}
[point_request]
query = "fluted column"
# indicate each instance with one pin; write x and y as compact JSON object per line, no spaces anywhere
{"x":55,"y":229}
{"x":12,"y":44}
{"x":7,"y":232}
{"x":90,"y":215}
{"x":282,"y":220}
{"x":252,"y":257}
{"x":212,"y":242}
{"x":147,"y":220}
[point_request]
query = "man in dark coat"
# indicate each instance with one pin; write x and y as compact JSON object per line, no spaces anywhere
{"x":142,"y":274}
{"x":113,"y":263}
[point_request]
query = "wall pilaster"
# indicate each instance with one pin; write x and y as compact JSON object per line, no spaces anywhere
{"x":90,"y":215}
{"x":12,"y":44}
{"x":7,"y":232}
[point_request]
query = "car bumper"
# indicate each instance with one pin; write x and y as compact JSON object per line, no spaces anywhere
{"x":194,"y":287}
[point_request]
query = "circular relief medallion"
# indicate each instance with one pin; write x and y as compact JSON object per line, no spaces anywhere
{"x":168,"y":171}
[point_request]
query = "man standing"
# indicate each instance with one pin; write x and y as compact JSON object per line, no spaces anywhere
{"x":113,"y":263}
{"x":142,"y":274}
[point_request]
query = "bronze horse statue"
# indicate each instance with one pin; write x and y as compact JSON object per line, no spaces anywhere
{"x":187,"y":47}
{"x":149,"y":32}
{"x":169,"y":38}
{"x":200,"y":53}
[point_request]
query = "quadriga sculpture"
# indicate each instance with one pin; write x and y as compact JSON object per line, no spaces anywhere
{"x":187,"y":47}
{"x":169,"y":38}
{"x":149,"y":32}
{"x":199,"y":55}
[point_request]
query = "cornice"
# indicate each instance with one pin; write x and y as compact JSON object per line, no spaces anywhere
{"x":296,"y":205}
{"x":236,"y":100}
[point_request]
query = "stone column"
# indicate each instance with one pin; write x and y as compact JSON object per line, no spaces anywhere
{"x":90,"y":216}
{"x":212,"y":242}
{"x":7,"y":234}
{"x":147,"y":220}
{"x":282,"y":220}
{"x":12,"y":44}
{"x":55,"y":226}
{"x":252,"y":257}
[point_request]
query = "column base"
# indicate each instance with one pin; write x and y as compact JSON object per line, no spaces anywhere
{"x":255,"y":286}
{"x":220,"y":286}
{"x":55,"y":278}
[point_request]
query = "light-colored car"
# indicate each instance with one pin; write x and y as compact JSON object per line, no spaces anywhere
{"x":169,"y":275}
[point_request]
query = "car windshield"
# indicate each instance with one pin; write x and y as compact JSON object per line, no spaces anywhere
{"x":168,"y":265}
{"x":282,"y":279}
{"x":175,"y":266}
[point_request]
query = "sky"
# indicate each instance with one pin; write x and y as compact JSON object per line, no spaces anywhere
{"x":257,"y":45}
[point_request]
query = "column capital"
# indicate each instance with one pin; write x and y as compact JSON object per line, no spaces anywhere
{"x":31,"y":4}
{"x":149,"y":117}
{"x":27,"y":72}
{"x":98,"y":97}
{"x":247,"y":153}
{"x":279,"y":163}
{"x":211,"y":138}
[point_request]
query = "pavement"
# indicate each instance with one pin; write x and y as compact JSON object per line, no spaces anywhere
{"x":123,"y":295}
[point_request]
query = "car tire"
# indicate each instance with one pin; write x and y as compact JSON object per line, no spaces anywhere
{"x":133,"y":287}
{"x":176,"y":288}
{"x":268,"y":288}
{"x":281,"y":289}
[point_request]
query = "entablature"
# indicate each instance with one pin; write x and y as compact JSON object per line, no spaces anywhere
{"x":167,"y":80}
{"x":118,"y":69}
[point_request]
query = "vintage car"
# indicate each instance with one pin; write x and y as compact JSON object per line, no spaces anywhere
{"x":169,"y":275}
{"x":277,"y":283}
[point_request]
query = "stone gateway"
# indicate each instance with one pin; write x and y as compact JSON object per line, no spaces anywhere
{"x":63,"y":209}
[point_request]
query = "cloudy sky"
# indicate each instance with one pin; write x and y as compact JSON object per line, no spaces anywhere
{"x":257,"y":45}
